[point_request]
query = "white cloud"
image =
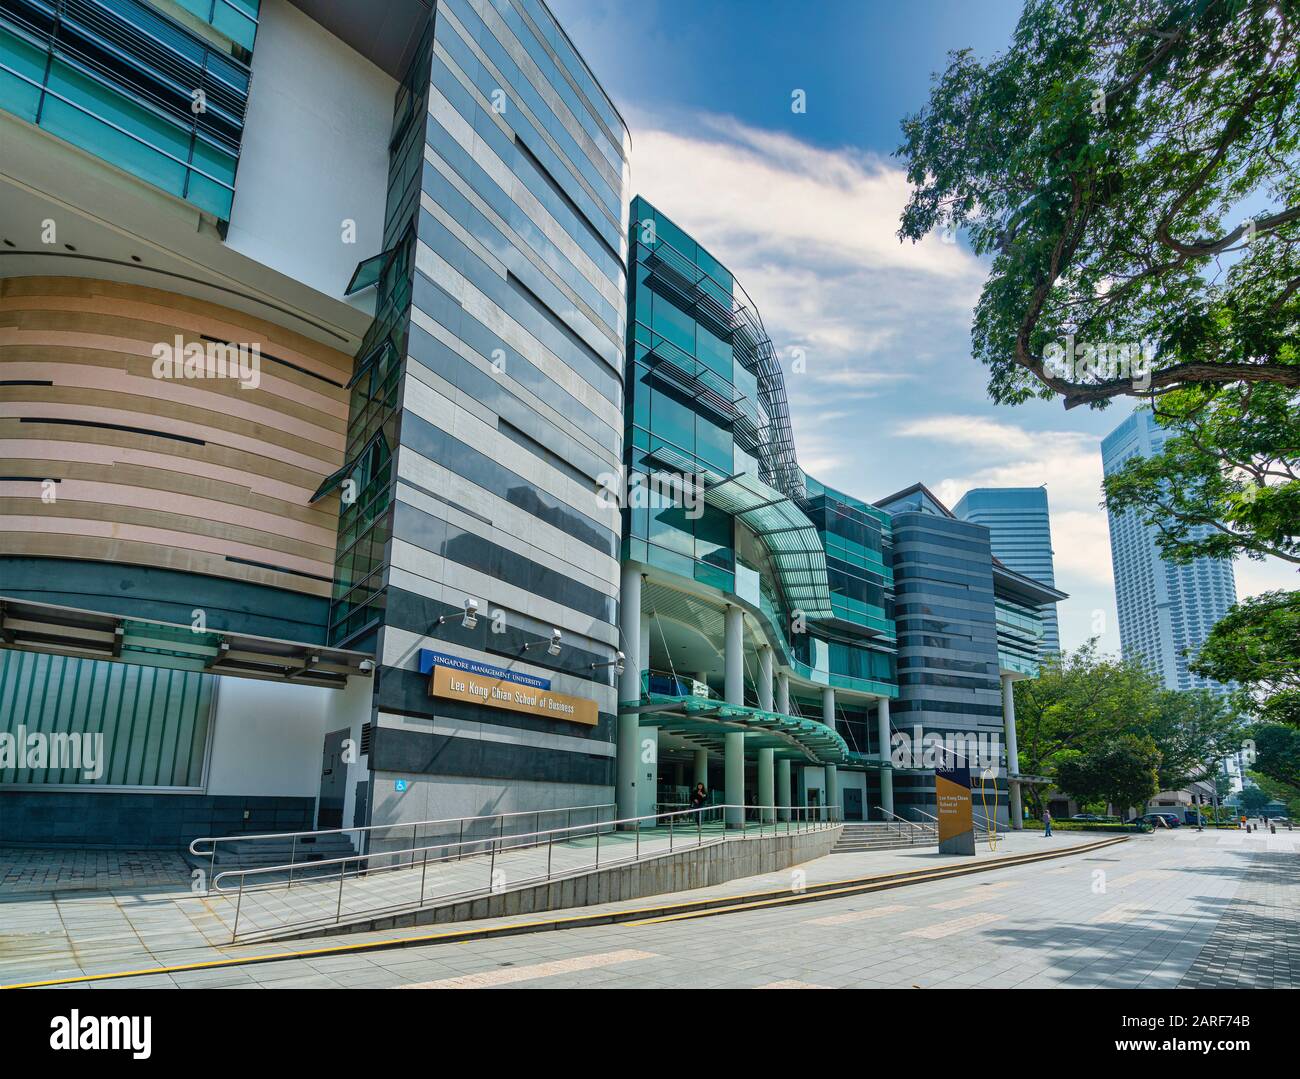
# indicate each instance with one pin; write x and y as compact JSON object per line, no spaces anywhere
{"x":810,"y":235}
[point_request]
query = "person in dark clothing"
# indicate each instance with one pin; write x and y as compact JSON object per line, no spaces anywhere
{"x":699,"y":799}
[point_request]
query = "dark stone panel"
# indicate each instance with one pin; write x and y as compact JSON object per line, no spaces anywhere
{"x":435,"y":754}
{"x":437,"y":445}
{"x":466,"y":548}
{"x":140,"y":820}
{"x":407,"y":693}
{"x":419,"y":614}
{"x":167,"y":596}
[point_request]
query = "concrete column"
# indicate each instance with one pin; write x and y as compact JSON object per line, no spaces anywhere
{"x":767,"y":783}
{"x":765,"y":678}
{"x":784,"y":795}
{"x":645,"y":642}
{"x":734,"y":769}
{"x":647,"y":774}
{"x":828,"y":706}
{"x":629,"y":689}
{"x":886,"y":765}
{"x":783,"y":693}
{"x":1013,"y":751}
{"x":701,"y":768}
{"x":832,"y":809}
{"x":734,"y":645}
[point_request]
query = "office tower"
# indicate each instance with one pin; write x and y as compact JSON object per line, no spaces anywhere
{"x":1164,"y":609}
{"x":1020,"y":531}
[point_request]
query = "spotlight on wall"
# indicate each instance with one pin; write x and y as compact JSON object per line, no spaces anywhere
{"x":617,"y":663}
{"x":552,"y":645}
{"x":468,"y":620}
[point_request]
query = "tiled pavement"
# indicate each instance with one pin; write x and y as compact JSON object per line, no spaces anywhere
{"x":1257,"y":942}
{"x":1142,"y":913}
{"x":47,"y":870}
{"x":62,"y":935}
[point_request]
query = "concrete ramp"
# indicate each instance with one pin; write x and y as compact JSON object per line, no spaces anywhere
{"x":410,"y":888}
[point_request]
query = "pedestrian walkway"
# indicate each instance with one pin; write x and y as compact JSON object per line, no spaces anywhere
{"x":1257,"y":942}
{"x":67,"y":935}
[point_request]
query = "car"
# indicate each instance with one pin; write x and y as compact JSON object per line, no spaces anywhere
{"x":1161,"y":820}
{"x":1093,"y":817}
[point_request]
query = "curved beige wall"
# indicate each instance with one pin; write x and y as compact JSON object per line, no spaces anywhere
{"x":143,"y":498}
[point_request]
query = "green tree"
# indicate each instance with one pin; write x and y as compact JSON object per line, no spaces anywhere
{"x":1102,"y":161}
{"x":1105,"y":162}
{"x":1079,"y":702}
{"x":1286,"y":793}
{"x":1253,"y":800}
{"x":1226,"y":482}
{"x":1123,"y":772}
{"x":1193,"y":730}
{"x":1277,"y":753}
{"x":1257,"y":645}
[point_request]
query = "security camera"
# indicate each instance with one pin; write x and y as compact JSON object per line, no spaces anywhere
{"x":553,"y":649}
{"x":470,"y":620}
{"x":366,"y":666}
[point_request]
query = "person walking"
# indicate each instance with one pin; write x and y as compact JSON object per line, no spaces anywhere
{"x":1047,"y":823}
{"x":699,"y":799}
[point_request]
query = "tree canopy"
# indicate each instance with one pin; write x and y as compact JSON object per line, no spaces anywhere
{"x":1257,"y":646}
{"x":1130,"y":166}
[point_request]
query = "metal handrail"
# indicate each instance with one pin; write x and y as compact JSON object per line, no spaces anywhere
{"x":904,"y":820}
{"x":402,"y":824}
{"x":812,"y":820}
{"x":363,"y":833}
{"x":974,"y":813}
{"x":910,"y":836}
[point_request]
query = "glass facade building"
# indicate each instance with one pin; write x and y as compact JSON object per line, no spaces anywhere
{"x":1164,"y":609}
{"x":477,"y":365}
{"x":123,"y":81}
{"x":1020,"y":530}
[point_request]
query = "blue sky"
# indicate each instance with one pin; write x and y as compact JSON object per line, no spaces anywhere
{"x":803,"y":207}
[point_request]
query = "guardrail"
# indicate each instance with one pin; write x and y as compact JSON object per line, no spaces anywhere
{"x":365,"y":834}
{"x":918,"y":832}
{"x":553,"y":853}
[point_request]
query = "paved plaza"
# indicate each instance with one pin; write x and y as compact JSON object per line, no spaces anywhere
{"x":1167,"y":910}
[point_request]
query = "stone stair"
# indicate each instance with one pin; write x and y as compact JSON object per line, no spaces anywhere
{"x":859,"y":836}
{"x":257,"y":853}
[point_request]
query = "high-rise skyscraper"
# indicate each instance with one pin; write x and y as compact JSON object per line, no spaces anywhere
{"x":1020,"y":533}
{"x":1164,"y":609}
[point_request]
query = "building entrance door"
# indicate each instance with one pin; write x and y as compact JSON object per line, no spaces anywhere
{"x":333,"y":774}
{"x":852,"y":803}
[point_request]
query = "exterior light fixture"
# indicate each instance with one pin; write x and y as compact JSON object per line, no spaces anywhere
{"x":617,"y":663}
{"x":552,"y":645}
{"x":469,"y":619}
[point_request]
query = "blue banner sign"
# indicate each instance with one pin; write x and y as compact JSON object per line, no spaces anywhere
{"x":430,"y":659}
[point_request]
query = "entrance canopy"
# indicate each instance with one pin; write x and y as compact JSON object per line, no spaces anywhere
{"x":69,"y":631}
{"x":705,"y":723}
